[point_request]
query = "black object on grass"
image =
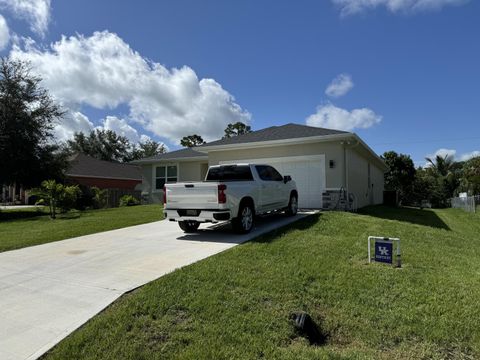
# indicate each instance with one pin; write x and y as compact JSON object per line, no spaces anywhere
{"x":308,"y":328}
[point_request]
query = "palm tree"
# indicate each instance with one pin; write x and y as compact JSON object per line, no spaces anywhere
{"x":50,"y":192}
{"x":441,"y":165}
{"x":444,"y":171}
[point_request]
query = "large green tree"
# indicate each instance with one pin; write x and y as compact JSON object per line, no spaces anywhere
{"x":192,"y":140}
{"x":400,"y":175}
{"x":471,"y":176}
{"x":236,"y":129}
{"x":28,"y":153}
{"x":423,"y":187}
{"x":146,"y":149}
{"x":102,"y":144}
{"x":109,"y":146}
{"x":441,"y":165}
{"x":151,"y":148}
{"x":447,"y":175}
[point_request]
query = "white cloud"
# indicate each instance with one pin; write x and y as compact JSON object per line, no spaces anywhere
{"x":468,"y":156}
{"x":339,"y":86}
{"x":103,"y":71}
{"x":452,"y":153}
{"x":121,"y":127}
{"x":4,"y":33}
{"x":332,"y":117}
{"x":75,"y":121}
{"x":351,"y":7}
{"x":443,"y":153}
{"x":36,"y":12}
{"x":144,"y":138}
{"x":72,"y":122}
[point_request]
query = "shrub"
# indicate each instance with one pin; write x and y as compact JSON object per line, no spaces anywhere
{"x":128,"y":200}
{"x":99,"y":199}
{"x":68,"y":198}
{"x":56,"y":196}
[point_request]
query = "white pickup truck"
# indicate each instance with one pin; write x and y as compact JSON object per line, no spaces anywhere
{"x":230,"y":192}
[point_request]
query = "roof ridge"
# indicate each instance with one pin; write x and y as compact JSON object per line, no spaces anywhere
{"x":277,"y":132}
{"x":89,"y":166}
{"x":75,"y":157}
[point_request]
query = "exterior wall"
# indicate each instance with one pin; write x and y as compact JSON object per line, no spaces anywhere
{"x":332,"y":150}
{"x":147,"y":185}
{"x":187,"y":171}
{"x":203,"y":170}
{"x":106,"y":183}
{"x":378,"y":182}
{"x":357,"y":170}
{"x":191,"y":171}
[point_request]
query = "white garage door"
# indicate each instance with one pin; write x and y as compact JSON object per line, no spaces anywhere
{"x":307,"y":171}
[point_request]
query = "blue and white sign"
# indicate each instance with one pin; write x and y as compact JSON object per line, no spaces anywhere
{"x":383,"y":251}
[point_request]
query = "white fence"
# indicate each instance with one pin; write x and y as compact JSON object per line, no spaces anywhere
{"x":468,"y":203}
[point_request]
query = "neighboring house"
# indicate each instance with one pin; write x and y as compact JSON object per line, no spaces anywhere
{"x":88,"y":171}
{"x":332,"y":169}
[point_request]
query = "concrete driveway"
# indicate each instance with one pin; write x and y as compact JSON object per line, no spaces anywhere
{"x":48,"y":291}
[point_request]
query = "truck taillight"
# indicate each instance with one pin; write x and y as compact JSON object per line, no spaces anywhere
{"x":222,"y":197}
{"x":164,"y":194}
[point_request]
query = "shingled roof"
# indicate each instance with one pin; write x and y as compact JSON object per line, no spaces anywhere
{"x":283,"y":132}
{"x":178,"y":154}
{"x":86,"y":166}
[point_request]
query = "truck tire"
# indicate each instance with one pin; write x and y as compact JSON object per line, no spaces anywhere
{"x":243,"y":224}
{"x":189,"y":226}
{"x":292,"y":208}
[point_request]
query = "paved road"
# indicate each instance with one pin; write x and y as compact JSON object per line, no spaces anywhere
{"x":48,"y":291}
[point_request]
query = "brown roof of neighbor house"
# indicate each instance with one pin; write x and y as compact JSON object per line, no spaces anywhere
{"x":283,"y":132}
{"x":82,"y":165}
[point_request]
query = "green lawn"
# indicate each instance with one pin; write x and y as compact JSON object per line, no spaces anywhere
{"x":27,"y":227}
{"x":236,"y":305}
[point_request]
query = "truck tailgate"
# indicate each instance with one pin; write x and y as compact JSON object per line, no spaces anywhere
{"x":192,"y":195}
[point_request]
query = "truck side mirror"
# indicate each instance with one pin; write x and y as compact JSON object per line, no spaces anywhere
{"x":287,"y":178}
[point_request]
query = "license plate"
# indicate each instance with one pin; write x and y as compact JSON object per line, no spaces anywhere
{"x":192,"y":213}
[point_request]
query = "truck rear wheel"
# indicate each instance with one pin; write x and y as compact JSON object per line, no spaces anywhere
{"x":189,"y":226}
{"x":243,"y":224}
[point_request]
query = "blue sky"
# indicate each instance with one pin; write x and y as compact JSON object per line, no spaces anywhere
{"x":408,"y":71}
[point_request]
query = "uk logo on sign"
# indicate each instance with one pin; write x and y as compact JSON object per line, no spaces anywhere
{"x":383,"y":252}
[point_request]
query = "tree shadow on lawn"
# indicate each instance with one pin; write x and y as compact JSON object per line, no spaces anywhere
{"x":27,"y":215}
{"x":425,"y":217}
{"x":9,"y":215}
{"x":68,"y":216}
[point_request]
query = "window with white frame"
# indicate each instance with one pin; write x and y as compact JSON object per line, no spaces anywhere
{"x":165,"y":174}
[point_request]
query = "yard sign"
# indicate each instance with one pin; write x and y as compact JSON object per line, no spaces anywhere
{"x":384,"y":250}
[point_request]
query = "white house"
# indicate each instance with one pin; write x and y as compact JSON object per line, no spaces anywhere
{"x":333,"y":169}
